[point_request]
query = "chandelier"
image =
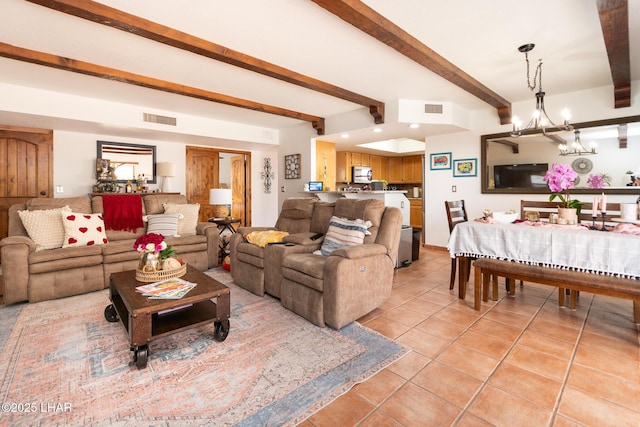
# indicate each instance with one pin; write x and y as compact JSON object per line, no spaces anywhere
{"x":540,"y":122}
{"x":576,"y":149}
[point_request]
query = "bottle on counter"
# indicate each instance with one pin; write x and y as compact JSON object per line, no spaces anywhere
{"x":128,"y":188}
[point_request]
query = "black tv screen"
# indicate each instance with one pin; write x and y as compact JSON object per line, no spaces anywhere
{"x":520,"y":176}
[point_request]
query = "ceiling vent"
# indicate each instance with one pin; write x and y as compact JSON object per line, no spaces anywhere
{"x":433,"y":108}
{"x":162,"y":120}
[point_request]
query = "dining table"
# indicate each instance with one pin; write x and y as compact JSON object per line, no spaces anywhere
{"x":614,"y":252}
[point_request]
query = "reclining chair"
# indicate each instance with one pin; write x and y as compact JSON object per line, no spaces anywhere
{"x":257,"y":268}
{"x":352,"y":280}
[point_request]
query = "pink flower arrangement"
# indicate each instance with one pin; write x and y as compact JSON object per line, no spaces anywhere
{"x":560,"y":178}
{"x":595,"y":181}
{"x":151,"y":242}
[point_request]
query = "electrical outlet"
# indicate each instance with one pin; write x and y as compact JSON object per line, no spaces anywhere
{"x":283,"y":189}
{"x":59,"y":189}
{"x":454,"y":188}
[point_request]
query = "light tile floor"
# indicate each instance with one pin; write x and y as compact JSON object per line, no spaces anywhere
{"x":520,"y":361}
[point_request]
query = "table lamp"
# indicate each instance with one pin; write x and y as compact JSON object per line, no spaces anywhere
{"x":221,"y":199}
{"x":165,"y":170}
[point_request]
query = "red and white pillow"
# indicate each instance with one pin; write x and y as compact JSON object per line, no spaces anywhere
{"x":82,"y":229}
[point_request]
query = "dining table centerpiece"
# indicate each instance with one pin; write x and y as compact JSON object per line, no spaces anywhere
{"x":560,"y":179}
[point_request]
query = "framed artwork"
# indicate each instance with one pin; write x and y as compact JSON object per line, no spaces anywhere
{"x":440,"y":161}
{"x":292,"y":166}
{"x":465,"y":167}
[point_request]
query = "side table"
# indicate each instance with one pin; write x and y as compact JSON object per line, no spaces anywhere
{"x":225,"y":224}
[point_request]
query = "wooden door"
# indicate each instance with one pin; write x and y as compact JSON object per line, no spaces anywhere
{"x":239,"y":181}
{"x":26,"y":169}
{"x":202,"y":174}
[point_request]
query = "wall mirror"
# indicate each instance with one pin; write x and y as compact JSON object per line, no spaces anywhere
{"x":517,"y":164}
{"x":129,"y":160}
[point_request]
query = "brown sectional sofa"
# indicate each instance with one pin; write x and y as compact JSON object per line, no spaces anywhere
{"x":31,"y":275}
{"x":329,"y":290}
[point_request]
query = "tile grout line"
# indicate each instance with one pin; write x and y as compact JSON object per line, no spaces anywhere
{"x":571,"y":359}
{"x":515,"y":341}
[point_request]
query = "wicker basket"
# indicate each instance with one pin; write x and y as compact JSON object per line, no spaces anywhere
{"x":156,"y":276}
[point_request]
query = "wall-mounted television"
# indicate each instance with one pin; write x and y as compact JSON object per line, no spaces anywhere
{"x":529,"y":175}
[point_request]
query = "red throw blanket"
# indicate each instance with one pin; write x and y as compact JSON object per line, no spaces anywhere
{"x":122,"y":212}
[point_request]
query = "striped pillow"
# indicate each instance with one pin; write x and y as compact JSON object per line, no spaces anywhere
{"x":344,"y":232}
{"x":165,"y":224}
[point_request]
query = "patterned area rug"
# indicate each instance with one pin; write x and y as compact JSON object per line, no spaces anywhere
{"x":62,"y":363}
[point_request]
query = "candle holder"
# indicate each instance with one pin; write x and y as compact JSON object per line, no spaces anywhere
{"x":604,"y":215}
{"x":593,"y":221}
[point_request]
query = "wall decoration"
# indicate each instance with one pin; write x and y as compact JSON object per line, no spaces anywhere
{"x":440,"y":161}
{"x":129,"y":161}
{"x":267,"y":174}
{"x":292,"y":166}
{"x":465,"y":167}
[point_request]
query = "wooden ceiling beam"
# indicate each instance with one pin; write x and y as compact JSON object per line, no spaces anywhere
{"x":115,"y":18}
{"x":86,"y":68}
{"x":377,"y":26}
{"x":614,"y":20}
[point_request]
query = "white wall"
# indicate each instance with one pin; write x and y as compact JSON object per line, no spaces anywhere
{"x":74,"y":157}
{"x":596,"y":104}
{"x":297,"y":139}
{"x":264,"y":206}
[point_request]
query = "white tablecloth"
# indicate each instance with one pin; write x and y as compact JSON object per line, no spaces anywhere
{"x":559,"y":247}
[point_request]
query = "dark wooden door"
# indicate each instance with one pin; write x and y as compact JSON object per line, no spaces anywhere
{"x":26,"y":169}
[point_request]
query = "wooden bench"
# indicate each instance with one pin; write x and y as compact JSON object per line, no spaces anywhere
{"x":564,"y":279}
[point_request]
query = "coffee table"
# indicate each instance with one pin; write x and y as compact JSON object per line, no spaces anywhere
{"x":147,"y":319}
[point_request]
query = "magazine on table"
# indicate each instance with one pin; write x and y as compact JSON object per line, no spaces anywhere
{"x":174,"y":288}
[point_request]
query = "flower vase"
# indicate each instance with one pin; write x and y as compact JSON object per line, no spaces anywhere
{"x":568,"y":214}
{"x":150,"y":261}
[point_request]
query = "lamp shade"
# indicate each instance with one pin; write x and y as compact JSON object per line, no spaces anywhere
{"x":220,"y":196}
{"x":165,"y":169}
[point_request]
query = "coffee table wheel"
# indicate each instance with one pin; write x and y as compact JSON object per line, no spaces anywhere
{"x":221,"y":330}
{"x":110,"y":313}
{"x":140,"y":356}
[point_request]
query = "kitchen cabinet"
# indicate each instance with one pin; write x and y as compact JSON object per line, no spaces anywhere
{"x":343,"y":166}
{"x":356,"y":159}
{"x":412,"y":169}
{"x":415,"y":213}
{"x":365,"y":160}
{"x":395,"y":170}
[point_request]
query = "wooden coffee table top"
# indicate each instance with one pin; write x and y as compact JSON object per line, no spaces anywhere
{"x":125,"y":283}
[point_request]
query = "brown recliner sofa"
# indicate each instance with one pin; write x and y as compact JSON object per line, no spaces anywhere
{"x":258,"y":269}
{"x":31,"y":275}
{"x":335,"y":289}
{"x":352,"y":281}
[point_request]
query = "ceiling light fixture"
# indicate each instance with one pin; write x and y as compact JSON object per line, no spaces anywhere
{"x":576,"y":149}
{"x":414,"y":125}
{"x":540,"y":122}
{"x":377,"y":130}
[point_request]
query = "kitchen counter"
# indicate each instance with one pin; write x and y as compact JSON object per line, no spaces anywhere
{"x":396,"y":198}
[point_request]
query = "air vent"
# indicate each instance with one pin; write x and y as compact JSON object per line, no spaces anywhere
{"x":162,"y":120}
{"x":433,"y":108}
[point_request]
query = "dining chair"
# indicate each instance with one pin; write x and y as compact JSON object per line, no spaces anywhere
{"x":456,"y":213}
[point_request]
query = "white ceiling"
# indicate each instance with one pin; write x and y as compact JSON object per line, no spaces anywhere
{"x":481,"y":38}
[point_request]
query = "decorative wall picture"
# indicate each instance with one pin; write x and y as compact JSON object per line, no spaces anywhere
{"x":292,"y":166}
{"x":440,"y":161}
{"x":465,"y":167}
{"x":267,"y":175}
